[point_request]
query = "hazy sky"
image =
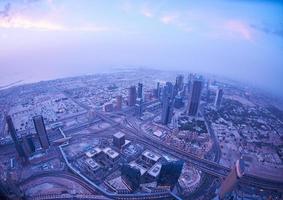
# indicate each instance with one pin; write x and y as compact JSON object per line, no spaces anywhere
{"x":44,"y":39}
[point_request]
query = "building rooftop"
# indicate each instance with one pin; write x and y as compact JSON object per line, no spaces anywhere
{"x":119,"y":135}
{"x":137,"y":166}
{"x":93,"y":165}
{"x":93,"y":152}
{"x":110,"y":152}
{"x":154,"y":170}
{"x":151,"y":155}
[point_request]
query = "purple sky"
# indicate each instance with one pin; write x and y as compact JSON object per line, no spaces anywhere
{"x":45,"y":39}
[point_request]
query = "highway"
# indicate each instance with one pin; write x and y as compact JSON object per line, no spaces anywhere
{"x":207,"y":166}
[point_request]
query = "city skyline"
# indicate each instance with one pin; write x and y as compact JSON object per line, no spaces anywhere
{"x":237,"y":39}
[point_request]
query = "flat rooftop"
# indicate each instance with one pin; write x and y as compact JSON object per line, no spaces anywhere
{"x":155,"y":170}
{"x":93,"y":152}
{"x":119,"y":135}
{"x":137,"y":166}
{"x":151,"y":155}
{"x":110,"y":152}
{"x":93,"y":165}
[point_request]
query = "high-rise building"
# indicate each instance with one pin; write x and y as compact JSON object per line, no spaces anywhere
{"x":178,"y":102}
{"x":167,"y":110}
{"x":139,"y":107}
{"x":158,"y":90}
{"x":232,"y":179}
{"x":140,"y":92}
{"x":170,"y":173}
{"x":16,"y":141}
{"x":28,"y":145}
{"x":131,"y":176}
{"x":119,"y":102}
{"x":218,"y":98}
{"x":132,"y":96}
{"x":180,"y":82}
{"x":118,"y":139}
{"x":194,"y":98}
{"x":41,"y":131}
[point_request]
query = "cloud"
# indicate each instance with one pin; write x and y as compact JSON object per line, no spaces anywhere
{"x":268,"y":30}
{"x":239,"y":28}
{"x":21,"y":22}
{"x":168,"y":19}
{"x":147,"y":12}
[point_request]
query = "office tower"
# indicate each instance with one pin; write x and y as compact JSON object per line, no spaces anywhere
{"x":194,"y":98}
{"x":180,"y":82}
{"x":189,"y":84}
{"x":207,"y":91}
{"x":16,"y":141}
{"x":167,"y":111}
{"x":139,"y":108}
{"x":28,"y":145}
{"x":170,"y":173}
{"x":232,"y":179}
{"x":131,"y":176}
{"x":119,"y":102}
{"x":118,"y":139}
{"x":132,"y":96}
{"x":218,"y":98}
{"x":140,"y":86}
{"x":178,"y":102}
{"x":169,"y":89}
{"x":41,"y":131}
{"x":158,"y":90}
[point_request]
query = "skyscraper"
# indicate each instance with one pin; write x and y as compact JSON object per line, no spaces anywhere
{"x":119,"y":102}
{"x":41,"y":131}
{"x":131,"y":176}
{"x":170,"y":173}
{"x":16,"y":141}
{"x":140,"y":92}
{"x":158,"y":90}
{"x":132,"y":96}
{"x":194,"y":98}
{"x":218,"y":98}
{"x":167,"y":110}
{"x":180,"y":82}
{"x":232,"y":179}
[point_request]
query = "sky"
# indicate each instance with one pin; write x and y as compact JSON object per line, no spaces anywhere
{"x":46,"y":39}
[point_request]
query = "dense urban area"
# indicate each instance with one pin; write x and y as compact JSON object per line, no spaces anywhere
{"x":140,"y":134}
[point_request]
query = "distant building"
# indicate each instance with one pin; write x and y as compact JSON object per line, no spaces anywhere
{"x":131,"y":176}
{"x":119,"y":139}
{"x":158,"y":90}
{"x":119,"y":100}
{"x":16,"y":141}
{"x":139,"y":107}
{"x":180,"y":82}
{"x":132,"y":96}
{"x":218,"y":98}
{"x":232,"y":179}
{"x":194,"y":98}
{"x":140,"y":91}
{"x":41,"y":131}
{"x":170,"y":173}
